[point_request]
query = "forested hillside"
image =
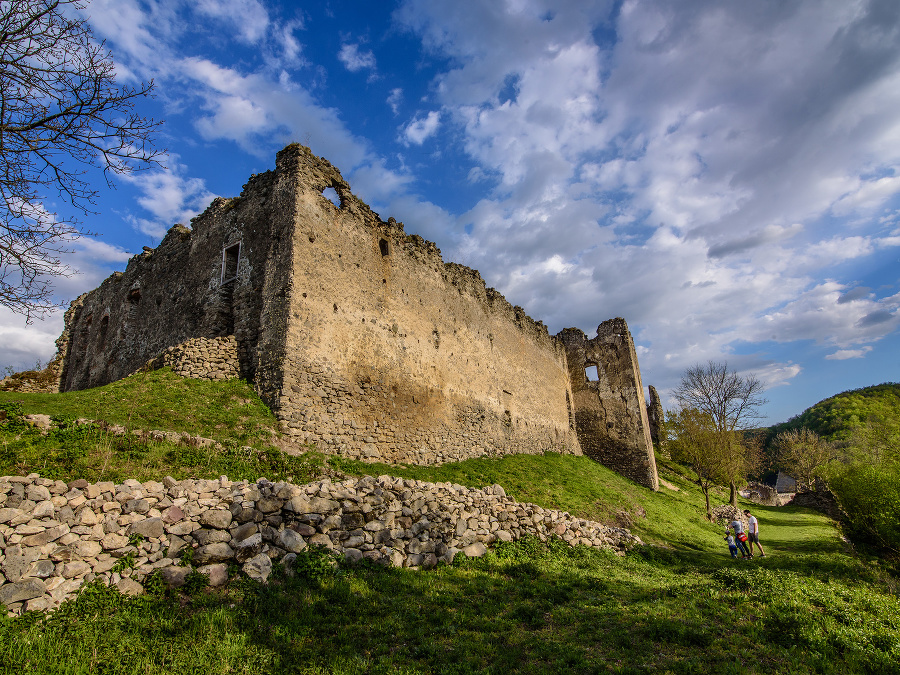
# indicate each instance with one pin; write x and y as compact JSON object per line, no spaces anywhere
{"x":838,"y":417}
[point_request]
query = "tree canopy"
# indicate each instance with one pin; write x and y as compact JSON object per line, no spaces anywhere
{"x":61,"y":113}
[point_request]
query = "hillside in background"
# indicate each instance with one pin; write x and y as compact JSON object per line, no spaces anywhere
{"x":837,"y":417}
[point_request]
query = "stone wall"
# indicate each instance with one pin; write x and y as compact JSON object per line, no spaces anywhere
{"x":218,"y":278}
{"x":393,"y":354}
{"x":56,"y":536}
{"x":213,"y":359}
{"x":610,"y":411}
{"x":360,"y":337}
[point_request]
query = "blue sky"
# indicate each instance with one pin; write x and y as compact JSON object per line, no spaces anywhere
{"x":724,"y":175}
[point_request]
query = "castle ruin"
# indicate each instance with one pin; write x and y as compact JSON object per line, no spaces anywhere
{"x":361,"y":339}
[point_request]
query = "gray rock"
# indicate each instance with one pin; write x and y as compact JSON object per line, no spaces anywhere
{"x":18,"y":561}
{"x":241,"y":532}
{"x":148,"y":528}
{"x":290,"y":540}
{"x":258,"y":568}
{"x":40,"y":604}
{"x":218,"y":519}
{"x":217,"y":574}
{"x":41,"y":569}
{"x":45,"y":537}
{"x":22,"y":590}
{"x":475,"y":550}
{"x":353,"y":555}
{"x":248,"y":548}
{"x":213,"y":553}
{"x":175,"y":577}
{"x":129,"y":587}
{"x":205,"y":537}
{"x":113,"y":541}
{"x":176,"y":544}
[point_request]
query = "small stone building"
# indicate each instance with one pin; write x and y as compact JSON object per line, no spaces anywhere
{"x":360,"y":337}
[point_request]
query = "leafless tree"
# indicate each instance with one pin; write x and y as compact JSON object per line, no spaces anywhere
{"x":61,"y":113}
{"x":731,"y":401}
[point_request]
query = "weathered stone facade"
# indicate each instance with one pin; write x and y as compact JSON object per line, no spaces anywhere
{"x":610,"y":412}
{"x":359,"y":336}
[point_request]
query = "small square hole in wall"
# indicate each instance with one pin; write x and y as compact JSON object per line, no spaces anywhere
{"x":590,"y":372}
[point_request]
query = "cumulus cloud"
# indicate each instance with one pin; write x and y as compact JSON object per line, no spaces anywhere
{"x":394,"y":99}
{"x":248,"y":18}
{"x":688,"y":174}
{"x":354,"y":59}
{"x":421,"y":128}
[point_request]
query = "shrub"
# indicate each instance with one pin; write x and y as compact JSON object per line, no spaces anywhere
{"x":869,"y":494}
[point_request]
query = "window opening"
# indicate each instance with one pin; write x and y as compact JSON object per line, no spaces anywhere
{"x":331,"y":195}
{"x":231,"y":256}
{"x":385,"y":247}
{"x":104,"y":327}
{"x":134,"y":295}
{"x":591,"y":373}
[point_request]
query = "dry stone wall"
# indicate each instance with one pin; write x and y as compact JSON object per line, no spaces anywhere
{"x":213,"y":359}
{"x":56,"y":536}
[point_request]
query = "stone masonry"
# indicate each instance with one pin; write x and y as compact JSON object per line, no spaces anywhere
{"x":55,"y":536}
{"x":610,"y":412}
{"x":361,"y":339}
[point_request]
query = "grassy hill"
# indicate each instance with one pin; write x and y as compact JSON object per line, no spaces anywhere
{"x":678,"y":605}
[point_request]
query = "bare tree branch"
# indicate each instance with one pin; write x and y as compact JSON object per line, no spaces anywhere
{"x":61,"y":113}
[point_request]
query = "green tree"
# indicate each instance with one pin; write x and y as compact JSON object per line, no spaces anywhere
{"x":731,"y":402}
{"x":802,"y":454}
{"x":61,"y":112}
{"x":715,"y":456}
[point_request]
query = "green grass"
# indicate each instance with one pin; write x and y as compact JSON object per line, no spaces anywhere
{"x":812,"y":605}
{"x":226,"y":411}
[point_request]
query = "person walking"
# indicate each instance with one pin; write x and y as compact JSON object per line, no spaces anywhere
{"x":741,"y":541}
{"x":753,"y":533}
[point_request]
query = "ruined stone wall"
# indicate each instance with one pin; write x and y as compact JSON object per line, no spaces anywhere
{"x":394,"y":355}
{"x":189,"y":287}
{"x":358,"y":336}
{"x":610,"y":411}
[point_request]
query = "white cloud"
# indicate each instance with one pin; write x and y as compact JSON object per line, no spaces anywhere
{"x":394,"y":99}
{"x":170,"y":197}
{"x":248,"y":18}
{"x":843,"y":354}
{"x":687,"y":177}
{"x":420,"y":129}
{"x":355,"y":60}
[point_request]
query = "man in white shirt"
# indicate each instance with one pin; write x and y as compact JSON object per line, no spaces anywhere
{"x":753,"y":533}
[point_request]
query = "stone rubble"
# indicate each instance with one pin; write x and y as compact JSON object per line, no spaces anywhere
{"x":56,"y":536}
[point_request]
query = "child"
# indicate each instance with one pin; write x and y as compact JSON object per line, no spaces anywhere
{"x":732,"y":546}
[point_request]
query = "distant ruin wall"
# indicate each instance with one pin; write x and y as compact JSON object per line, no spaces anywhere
{"x":610,"y":411}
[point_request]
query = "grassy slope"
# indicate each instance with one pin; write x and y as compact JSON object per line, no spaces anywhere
{"x":809,"y":606}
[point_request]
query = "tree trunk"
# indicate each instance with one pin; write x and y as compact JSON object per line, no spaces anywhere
{"x":705,"y":488}
{"x":734,"y":494}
